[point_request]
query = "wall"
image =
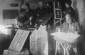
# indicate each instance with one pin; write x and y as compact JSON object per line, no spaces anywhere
{"x":5,"y":4}
{"x":79,"y":7}
{"x":81,"y":12}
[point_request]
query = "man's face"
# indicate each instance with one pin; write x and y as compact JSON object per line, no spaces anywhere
{"x":66,"y":5}
{"x":68,"y":18}
{"x":40,"y":5}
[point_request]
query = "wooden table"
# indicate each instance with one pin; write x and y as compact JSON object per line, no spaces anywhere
{"x":65,"y":40}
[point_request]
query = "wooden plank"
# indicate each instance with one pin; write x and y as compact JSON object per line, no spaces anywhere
{"x":19,"y":40}
{"x":44,"y":37}
{"x":38,"y":40}
{"x":13,"y":43}
{"x":10,"y":52}
{"x":5,"y":52}
{"x":33,"y":41}
{"x":22,"y":41}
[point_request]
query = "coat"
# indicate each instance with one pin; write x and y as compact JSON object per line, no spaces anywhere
{"x":74,"y":27}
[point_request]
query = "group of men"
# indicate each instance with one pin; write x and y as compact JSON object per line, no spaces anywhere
{"x":28,"y":17}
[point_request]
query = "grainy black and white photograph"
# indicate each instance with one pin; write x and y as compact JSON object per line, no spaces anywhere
{"x":42,"y":27}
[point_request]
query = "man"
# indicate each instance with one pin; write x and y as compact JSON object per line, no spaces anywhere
{"x":25,"y":16}
{"x":70,"y":9}
{"x":39,"y":12}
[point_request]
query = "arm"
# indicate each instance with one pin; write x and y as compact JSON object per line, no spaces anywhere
{"x":78,"y":28}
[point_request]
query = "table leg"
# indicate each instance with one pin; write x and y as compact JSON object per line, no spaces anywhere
{"x":66,"y":48}
{"x":56,"y":48}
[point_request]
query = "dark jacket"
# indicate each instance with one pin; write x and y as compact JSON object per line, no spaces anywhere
{"x":25,"y":16}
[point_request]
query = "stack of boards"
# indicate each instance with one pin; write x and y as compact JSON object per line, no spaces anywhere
{"x":18,"y":43}
{"x":38,"y":39}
